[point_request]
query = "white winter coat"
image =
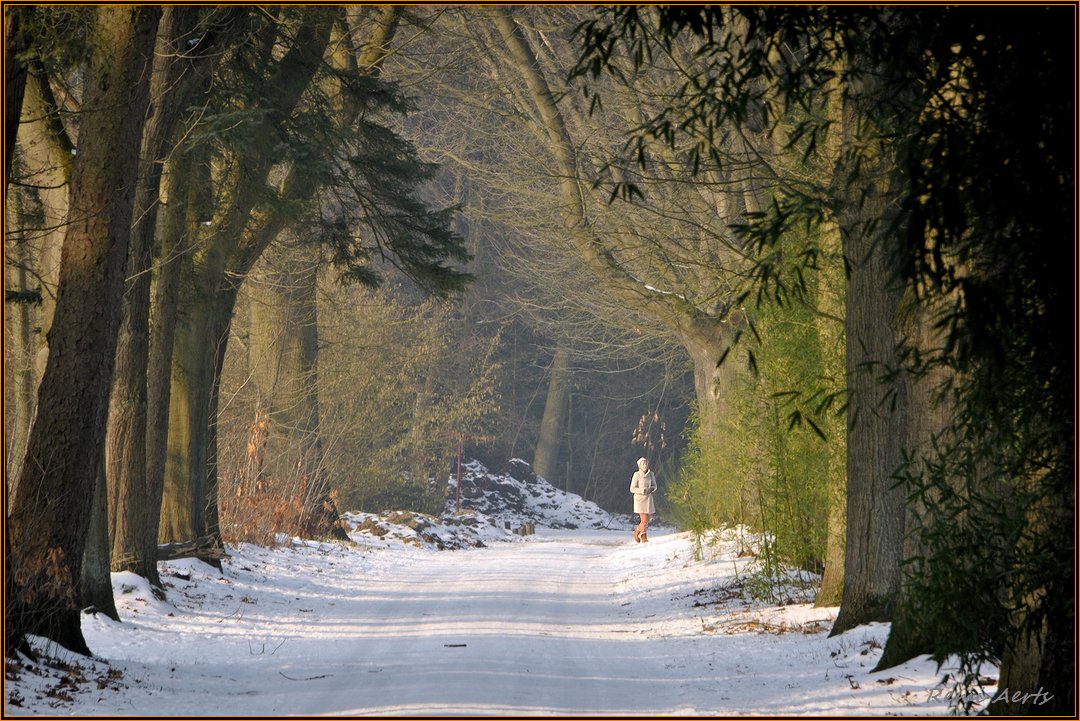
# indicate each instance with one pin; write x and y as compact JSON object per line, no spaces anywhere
{"x":643,"y":486}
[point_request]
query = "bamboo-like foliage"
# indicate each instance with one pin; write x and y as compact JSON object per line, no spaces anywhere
{"x":773,"y":464}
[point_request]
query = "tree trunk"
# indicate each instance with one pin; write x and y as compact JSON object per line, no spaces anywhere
{"x":18,"y":360}
{"x":546,"y":458}
{"x":15,"y":74}
{"x":830,"y":300}
{"x":877,"y":403}
{"x":199,"y":342}
{"x":45,"y":157}
{"x":132,"y":500}
{"x":929,"y":415}
{"x":96,"y":580}
{"x":876,"y":430}
{"x":207,"y":299}
{"x":283,"y":353}
{"x":181,"y":186}
{"x":51,"y":515}
{"x":716,"y":370}
{"x":830,"y":331}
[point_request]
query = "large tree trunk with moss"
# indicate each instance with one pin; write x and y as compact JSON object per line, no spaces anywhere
{"x":546,"y":458}
{"x":50,"y":518}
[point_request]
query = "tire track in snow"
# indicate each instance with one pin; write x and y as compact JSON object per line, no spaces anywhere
{"x":532,"y":628}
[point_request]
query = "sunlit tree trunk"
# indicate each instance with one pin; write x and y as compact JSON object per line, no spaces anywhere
{"x":283,"y":356}
{"x":546,"y":458}
{"x":830,"y":299}
{"x":50,"y":518}
{"x":45,"y":157}
{"x":830,"y":329}
{"x":19,"y":381}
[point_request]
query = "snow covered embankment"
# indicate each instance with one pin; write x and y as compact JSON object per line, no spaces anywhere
{"x":493,"y":505}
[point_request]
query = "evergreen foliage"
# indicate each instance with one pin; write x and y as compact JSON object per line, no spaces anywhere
{"x":355,"y":186}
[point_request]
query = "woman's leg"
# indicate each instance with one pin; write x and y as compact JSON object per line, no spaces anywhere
{"x":644,"y":526}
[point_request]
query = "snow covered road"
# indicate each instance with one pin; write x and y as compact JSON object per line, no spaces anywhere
{"x":523,"y":629}
{"x":566,"y":623}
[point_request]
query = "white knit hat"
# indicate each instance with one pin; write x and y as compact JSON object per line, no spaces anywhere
{"x":642,"y":460}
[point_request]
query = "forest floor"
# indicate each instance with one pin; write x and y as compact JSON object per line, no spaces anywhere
{"x":565,"y":622}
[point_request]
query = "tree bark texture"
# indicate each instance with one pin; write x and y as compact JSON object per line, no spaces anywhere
{"x":831,"y":297}
{"x":201,"y":336}
{"x":830,"y":303}
{"x":877,"y":402}
{"x":182,"y":184}
{"x":876,"y":426}
{"x":51,"y":515}
{"x":131,"y":497}
{"x":96,"y":581}
{"x":19,"y":381}
{"x":45,"y":161}
{"x":929,"y":414}
{"x":283,"y":357}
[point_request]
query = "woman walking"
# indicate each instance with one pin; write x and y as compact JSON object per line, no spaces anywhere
{"x":643,"y":486}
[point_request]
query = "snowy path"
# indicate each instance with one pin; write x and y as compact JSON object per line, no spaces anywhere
{"x":530,"y":628}
{"x":567,"y":623}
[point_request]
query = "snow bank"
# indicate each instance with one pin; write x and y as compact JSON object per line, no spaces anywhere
{"x":518,"y":496}
{"x":494,"y":507}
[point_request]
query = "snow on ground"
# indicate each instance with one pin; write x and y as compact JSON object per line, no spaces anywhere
{"x":518,"y":496}
{"x":564,"y":622}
